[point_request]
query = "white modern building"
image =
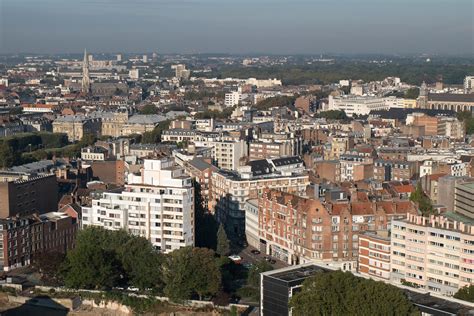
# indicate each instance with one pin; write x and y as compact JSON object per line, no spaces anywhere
{"x":232,"y":98}
{"x":469,"y":84}
{"x":360,"y":105}
{"x":157,"y":204}
{"x":251,"y":223}
{"x":226,"y":153}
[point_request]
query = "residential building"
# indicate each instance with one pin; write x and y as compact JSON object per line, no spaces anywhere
{"x":201,"y":170}
{"x":157,"y":204}
{"x":251,"y":223}
{"x":390,"y":170}
{"x":21,"y":238}
{"x":94,"y":153}
{"x":25,"y":194}
{"x":227,"y":154}
{"x":232,"y":98}
{"x":469,"y":84}
{"x":435,"y":253}
{"x":297,"y":230}
{"x":464,"y":198}
{"x":374,"y":255}
{"x":231,"y":189}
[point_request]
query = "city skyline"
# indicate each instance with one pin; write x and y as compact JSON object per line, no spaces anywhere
{"x":208,"y":26}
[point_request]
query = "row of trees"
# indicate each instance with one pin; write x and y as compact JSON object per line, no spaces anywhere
{"x":105,"y":259}
{"x":410,"y":72}
{"x":278,"y":101}
{"x":11,"y":148}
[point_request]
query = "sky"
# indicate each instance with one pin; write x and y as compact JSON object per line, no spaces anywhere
{"x":239,"y":26}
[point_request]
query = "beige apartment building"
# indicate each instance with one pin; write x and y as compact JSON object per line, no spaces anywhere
{"x":436,"y":254}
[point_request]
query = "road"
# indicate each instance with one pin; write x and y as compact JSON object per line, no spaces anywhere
{"x":248,"y":256}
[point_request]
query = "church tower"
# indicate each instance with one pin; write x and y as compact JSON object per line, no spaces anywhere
{"x":86,"y":82}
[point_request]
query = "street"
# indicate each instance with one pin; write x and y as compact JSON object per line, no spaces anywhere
{"x":248,"y":257}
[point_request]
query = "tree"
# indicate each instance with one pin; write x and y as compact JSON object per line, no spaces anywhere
{"x":333,"y":115}
{"x":141,"y":263}
{"x":48,"y":264}
{"x":412,"y":93}
{"x":466,"y":293}
{"x":8,"y":156}
{"x":253,"y":278}
{"x":223,"y":244}
{"x":342,"y":293}
{"x":149,"y":109}
{"x":89,"y":265}
{"x":155,"y":135}
{"x":423,"y":202}
{"x":188,"y":271}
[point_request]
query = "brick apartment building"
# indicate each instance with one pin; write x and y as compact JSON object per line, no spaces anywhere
{"x":297,"y":230}
{"x":22,"y":238}
{"x":390,"y":170}
{"x":374,"y":255}
{"x":25,"y":195}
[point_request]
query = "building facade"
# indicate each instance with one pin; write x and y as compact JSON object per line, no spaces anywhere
{"x":435,"y":254}
{"x":158,"y":204}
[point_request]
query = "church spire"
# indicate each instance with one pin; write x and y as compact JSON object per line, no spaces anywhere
{"x":86,"y":82}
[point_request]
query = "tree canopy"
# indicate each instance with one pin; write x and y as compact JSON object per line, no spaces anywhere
{"x":149,"y":109}
{"x":155,"y":135}
{"x":189,"y":271}
{"x":466,"y":293}
{"x":342,"y":293}
{"x":423,"y":202}
{"x":103,"y":259}
{"x":223,"y":243}
{"x":279,"y":101}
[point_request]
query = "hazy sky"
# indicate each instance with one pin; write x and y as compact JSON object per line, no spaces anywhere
{"x":239,"y":26}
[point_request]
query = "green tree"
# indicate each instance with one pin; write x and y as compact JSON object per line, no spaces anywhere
{"x":412,"y":93}
{"x":155,"y":135}
{"x":142,"y":264}
{"x":423,"y":202}
{"x":8,"y":156}
{"x":48,"y":264}
{"x":333,"y":115}
{"x":279,"y":101}
{"x":149,"y":109}
{"x":466,"y":293}
{"x":223,"y":243}
{"x":253,"y":278}
{"x":89,"y":265}
{"x":189,"y":271}
{"x":342,"y":293}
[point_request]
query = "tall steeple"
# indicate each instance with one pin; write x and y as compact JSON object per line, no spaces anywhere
{"x":86,"y":82}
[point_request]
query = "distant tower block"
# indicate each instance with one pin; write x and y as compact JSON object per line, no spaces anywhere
{"x":145,"y":59}
{"x":119,"y":57}
{"x":86,"y":82}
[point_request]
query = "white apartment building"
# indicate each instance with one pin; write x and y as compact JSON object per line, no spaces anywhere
{"x":360,"y":105}
{"x":469,"y":84}
{"x":157,"y":204}
{"x":251,"y":223}
{"x":232,"y":98}
{"x":226,"y":153}
{"x":434,"y":253}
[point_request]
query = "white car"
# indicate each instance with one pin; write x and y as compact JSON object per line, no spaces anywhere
{"x":235,"y":258}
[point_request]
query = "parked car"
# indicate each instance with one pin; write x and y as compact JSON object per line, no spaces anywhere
{"x":235,"y":258}
{"x":247,"y":265}
{"x":272,"y":261}
{"x":255,"y":252}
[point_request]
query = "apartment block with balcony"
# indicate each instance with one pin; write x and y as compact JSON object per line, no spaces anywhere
{"x":435,"y":254}
{"x":374,"y":255}
{"x":157,"y":204}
